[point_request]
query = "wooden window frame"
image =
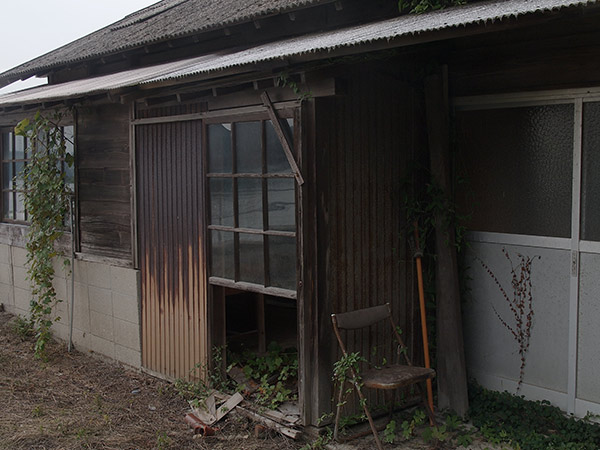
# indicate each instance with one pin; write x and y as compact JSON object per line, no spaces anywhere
{"x":264,"y":176}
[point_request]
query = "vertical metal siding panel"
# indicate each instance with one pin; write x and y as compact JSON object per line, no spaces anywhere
{"x":183,"y":329}
{"x":156,"y":253}
{"x":170,"y":212}
{"x":140,"y":169}
{"x":170,"y":247}
{"x":163,"y":262}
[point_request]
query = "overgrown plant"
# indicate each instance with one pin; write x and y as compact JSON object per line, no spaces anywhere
{"x":421,"y":6}
{"x":275,"y":370}
{"x":520,"y":303}
{"x":284,"y":79}
{"x":46,"y":199}
{"x":505,"y":418}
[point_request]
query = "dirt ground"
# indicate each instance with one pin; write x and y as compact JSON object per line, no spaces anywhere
{"x":77,"y":401}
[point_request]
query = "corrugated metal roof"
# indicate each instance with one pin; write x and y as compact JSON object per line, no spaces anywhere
{"x":168,"y":19}
{"x":403,"y":26}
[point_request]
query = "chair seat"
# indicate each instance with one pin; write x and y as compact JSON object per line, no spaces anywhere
{"x":395,"y":376}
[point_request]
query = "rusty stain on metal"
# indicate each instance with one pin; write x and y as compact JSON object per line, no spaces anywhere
{"x":172,"y":262}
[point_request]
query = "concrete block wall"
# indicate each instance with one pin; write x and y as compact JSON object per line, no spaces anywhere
{"x":106,"y":318}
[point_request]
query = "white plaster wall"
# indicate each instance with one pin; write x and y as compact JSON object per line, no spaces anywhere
{"x":491,"y":351}
{"x":106,"y":317}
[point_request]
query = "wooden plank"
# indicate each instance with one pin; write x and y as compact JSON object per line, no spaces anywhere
{"x":243,"y":286}
{"x":283,"y":138}
{"x":451,"y":368}
{"x":260,"y":323}
{"x":286,"y":431}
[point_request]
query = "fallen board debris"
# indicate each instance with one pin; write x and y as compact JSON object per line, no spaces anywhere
{"x":207,"y":413}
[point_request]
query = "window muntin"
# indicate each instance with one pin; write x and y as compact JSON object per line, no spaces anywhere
{"x":252,"y":193}
{"x":15,"y":157}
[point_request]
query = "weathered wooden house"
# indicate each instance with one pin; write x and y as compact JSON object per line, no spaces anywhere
{"x":206,"y":208}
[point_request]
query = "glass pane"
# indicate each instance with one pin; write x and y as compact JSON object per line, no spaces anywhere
{"x":219,"y":148}
{"x":69,"y":139}
{"x":250,"y":207}
{"x":282,"y":205}
{"x":20,"y":207}
{"x":7,"y":146}
{"x":7,"y":205}
{"x":70,"y":177}
{"x":518,"y":166}
{"x":248,"y":144}
{"x":282,"y":261}
{"x":222,"y":262}
{"x":590,"y":181}
{"x":221,"y":201}
{"x":251,"y":258}
{"x":276,"y":160}
{"x":19,"y":166}
{"x":7,"y":175}
{"x":20,"y":147}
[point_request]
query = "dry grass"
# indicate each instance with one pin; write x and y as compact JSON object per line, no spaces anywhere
{"x":76,"y":401}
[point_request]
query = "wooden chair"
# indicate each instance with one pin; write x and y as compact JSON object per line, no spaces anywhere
{"x":390,"y":377}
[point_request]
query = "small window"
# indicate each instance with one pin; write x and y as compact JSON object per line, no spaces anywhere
{"x":15,"y":157}
{"x":252,"y":205}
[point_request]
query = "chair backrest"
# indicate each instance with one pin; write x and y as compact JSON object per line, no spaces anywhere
{"x":361,"y":317}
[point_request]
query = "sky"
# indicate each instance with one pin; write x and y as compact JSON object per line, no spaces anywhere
{"x":30,"y":29}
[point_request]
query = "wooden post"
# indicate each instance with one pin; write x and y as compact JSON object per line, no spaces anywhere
{"x":451,"y":370}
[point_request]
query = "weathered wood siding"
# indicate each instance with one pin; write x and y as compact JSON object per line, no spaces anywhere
{"x":555,"y":55}
{"x":171,"y":247}
{"x":104,"y":180}
{"x":365,"y":140}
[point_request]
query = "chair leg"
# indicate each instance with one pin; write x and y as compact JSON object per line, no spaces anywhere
{"x":363,"y":402}
{"x":338,"y":411}
{"x":390,"y":397}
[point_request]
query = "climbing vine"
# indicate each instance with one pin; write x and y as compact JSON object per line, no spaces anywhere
{"x":46,"y":199}
{"x":520,"y":304}
{"x":421,"y":6}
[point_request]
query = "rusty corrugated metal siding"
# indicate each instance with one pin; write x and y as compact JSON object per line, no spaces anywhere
{"x":172,"y":261}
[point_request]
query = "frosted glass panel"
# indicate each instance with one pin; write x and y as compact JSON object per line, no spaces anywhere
{"x":518,"y":164}
{"x":590,"y":173}
{"x":252,"y":261}
{"x":250,"y":207}
{"x":248,"y":146}
{"x":219,"y":148}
